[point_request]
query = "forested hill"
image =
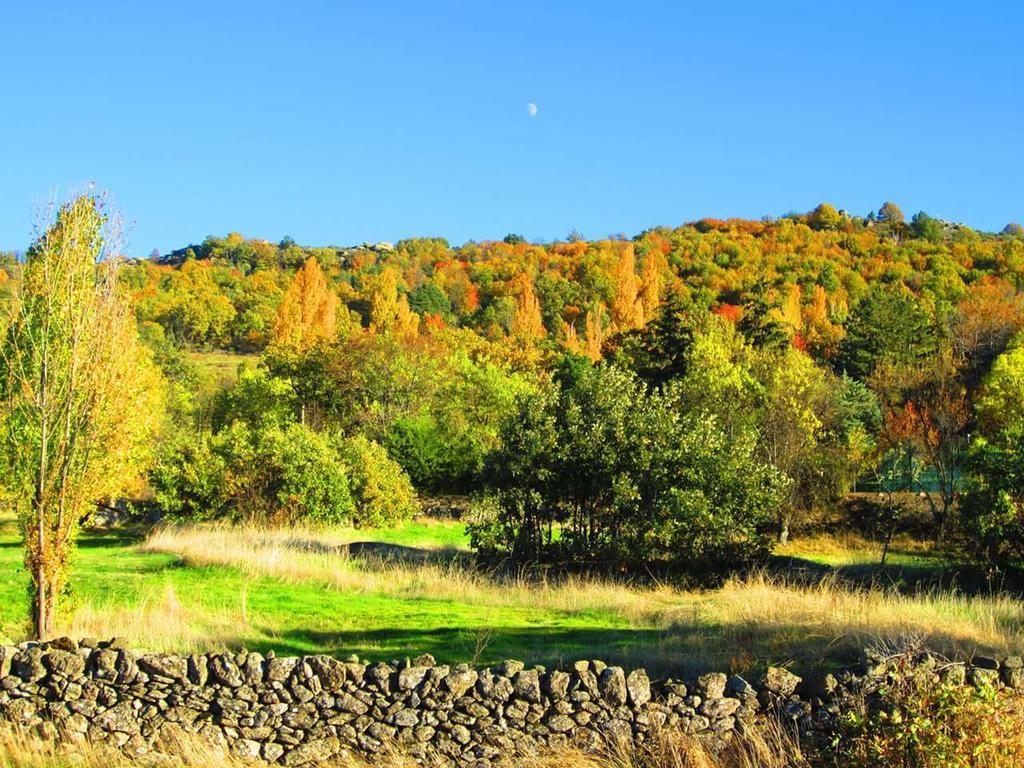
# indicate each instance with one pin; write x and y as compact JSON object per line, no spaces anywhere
{"x":802,"y":272}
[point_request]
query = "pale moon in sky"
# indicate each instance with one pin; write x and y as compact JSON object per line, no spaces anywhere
{"x":532,"y":109}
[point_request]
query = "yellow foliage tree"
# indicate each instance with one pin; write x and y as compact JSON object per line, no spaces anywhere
{"x":627,"y":309}
{"x":390,"y":311}
{"x":527,"y":323}
{"x":308,"y":313}
{"x":651,"y":284}
{"x":594,"y":333}
{"x":82,"y":396}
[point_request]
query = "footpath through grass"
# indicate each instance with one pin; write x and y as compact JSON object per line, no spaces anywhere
{"x":298,"y":592}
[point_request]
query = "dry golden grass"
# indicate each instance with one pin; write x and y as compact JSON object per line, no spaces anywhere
{"x":751,"y":620}
{"x":158,"y":622}
{"x":769,"y":748}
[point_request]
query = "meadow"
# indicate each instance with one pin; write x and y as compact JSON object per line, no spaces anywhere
{"x":411,"y":589}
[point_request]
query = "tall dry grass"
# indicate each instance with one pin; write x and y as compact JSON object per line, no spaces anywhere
{"x":767,"y":748}
{"x":755,"y":619}
{"x":158,"y":621}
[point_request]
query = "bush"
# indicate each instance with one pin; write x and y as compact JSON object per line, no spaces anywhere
{"x":919,"y":723}
{"x":600,"y":470}
{"x":993,"y":506}
{"x":289,"y":473}
{"x":435,"y":458}
{"x":381,"y":491}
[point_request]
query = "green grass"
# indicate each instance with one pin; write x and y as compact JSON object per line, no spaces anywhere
{"x":423,"y":534}
{"x":110,"y":574}
{"x":166,"y":601}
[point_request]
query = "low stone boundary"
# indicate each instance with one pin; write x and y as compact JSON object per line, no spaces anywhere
{"x":296,"y":710}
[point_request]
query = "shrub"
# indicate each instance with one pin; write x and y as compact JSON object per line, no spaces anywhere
{"x":919,"y":723}
{"x":381,"y":491}
{"x":434,"y":457}
{"x":289,"y":473}
{"x":600,"y":470}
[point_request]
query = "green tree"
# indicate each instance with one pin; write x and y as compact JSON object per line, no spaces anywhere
{"x":80,"y":392}
{"x":927,"y":228}
{"x":889,"y":326}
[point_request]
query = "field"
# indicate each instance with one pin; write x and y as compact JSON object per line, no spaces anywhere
{"x":400,"y":592}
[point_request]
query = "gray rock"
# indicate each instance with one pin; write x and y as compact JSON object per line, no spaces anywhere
{"x":318,"y":750}
{"x":560,"y":723}
{"x":331,"y":672}
{"x":162,"y":665}
{"x":612,"y":684}
{"x":526,"y":685}
{"x":65,"y":663}
{"x":460,"y":680}
{"x":711,"y":685}
{"x":509,"y":668}
{"x":780,"y":681}
{"x":638,"y":685}
{"x":225,"y":671}
{"x":120,"y":718}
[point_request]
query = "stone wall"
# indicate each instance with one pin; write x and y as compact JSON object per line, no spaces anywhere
{"x":294,"y":710}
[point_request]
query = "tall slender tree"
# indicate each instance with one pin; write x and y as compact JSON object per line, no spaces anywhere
{"x":81,"y":392}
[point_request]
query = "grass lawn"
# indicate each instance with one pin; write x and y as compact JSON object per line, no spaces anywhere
{"x":219,"y":366}
{"x":203,"y":589}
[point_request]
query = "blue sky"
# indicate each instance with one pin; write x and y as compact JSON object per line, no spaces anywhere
{"x":341,"y":122}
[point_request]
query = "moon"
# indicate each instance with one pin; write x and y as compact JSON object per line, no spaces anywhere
{"x":531,"y":109}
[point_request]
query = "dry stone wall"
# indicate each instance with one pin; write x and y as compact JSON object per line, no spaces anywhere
{"x":296,"y":710}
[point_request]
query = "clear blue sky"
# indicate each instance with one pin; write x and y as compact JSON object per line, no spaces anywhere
{"x":341,"y":122}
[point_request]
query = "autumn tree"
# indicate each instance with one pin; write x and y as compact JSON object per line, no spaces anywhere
{"x":932,"y":416}
{"x":527,"y":322}
{"x":627,"y":309}
{"x":389,"y":309}
{"x":81,"y":395}
{"x":308,"y":313}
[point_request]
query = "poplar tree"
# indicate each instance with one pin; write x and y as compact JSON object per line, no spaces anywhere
{"x":81,"y":393}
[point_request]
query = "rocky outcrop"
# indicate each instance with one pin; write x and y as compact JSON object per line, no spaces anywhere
{"x":298,"y":710}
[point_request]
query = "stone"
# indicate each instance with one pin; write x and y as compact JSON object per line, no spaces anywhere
{"x":509,"y":668}
{"x":526,"y":685}
{"x":780,"y":681}
{"x":711,"y":685}
{"x":715,"y":709}
{"x":410,"y":678}
{"x":954,"y":673}
{"x":460,"y":680}
{"x":65,"y":663}
{"x":331,"y":672}
{"x":738,"y":686}
{"x":556,"y":685}
{"x":638,"y":685}
{"x":560,"y":723}
{"x":198,"y":670}
{"x":225,"y":670}
{"x":120,"y":718}
{"x":161,"y":665}
{"x":1012,"y":677}
{"x":272,"y":751}
{"x":280,"y":669}
{"x":28,"y":665}
{"x":612,"y":684}
{"x":317,"y":750}
{"x":247,"y":749}
{"x":983,"y":677}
